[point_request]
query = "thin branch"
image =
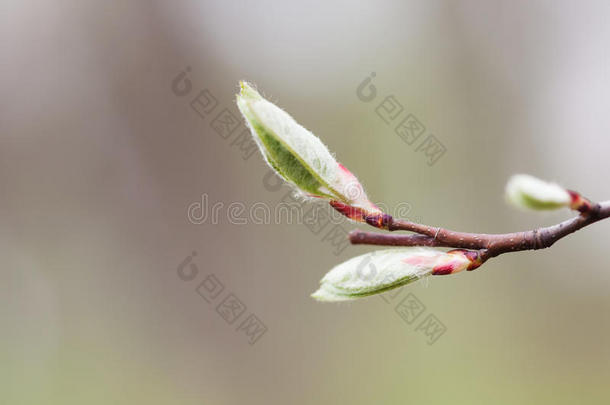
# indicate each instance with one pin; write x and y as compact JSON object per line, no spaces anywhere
{"x":358,"y":237}
{"x":491,"y":245}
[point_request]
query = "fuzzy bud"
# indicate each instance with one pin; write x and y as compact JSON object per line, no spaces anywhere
{"x":383,"y":270}
{"x":297,"y":155}
{"x":529,"y":192}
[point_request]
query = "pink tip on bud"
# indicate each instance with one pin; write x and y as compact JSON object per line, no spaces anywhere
{"x":461,"y":260}
{"x":376,"y":219}
{"x":579,"y":203}
{"x":352,"y":190}
{"x":444,"y":269}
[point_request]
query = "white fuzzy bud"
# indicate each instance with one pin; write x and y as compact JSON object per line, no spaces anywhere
{"x":297,"y":155}
{"x":379,"y":271}
{"x":525,"y":191}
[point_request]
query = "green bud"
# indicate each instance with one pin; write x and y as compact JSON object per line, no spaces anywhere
{"x":383,"y":270}
{"x":529,"y":192}
{"x":297,"y":155}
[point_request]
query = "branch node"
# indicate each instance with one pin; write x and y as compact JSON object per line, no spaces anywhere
{"x":437,"y":231}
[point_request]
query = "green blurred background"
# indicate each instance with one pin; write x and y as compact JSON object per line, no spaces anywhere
{"x":100,"y":161}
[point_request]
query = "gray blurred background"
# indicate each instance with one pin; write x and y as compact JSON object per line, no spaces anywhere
{"x":101,"y":158}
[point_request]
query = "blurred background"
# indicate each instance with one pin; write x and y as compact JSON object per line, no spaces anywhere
{"x":117,"y":120}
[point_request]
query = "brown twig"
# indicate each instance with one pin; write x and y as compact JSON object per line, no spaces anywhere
{"x":489,"y":245}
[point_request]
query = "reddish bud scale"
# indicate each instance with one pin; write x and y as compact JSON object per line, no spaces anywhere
{"x":443,"y":269}
{"x":449,"y":268}
{"x":579,"y":203}
{"x":378,"y":220}
{"x":474,"y":256}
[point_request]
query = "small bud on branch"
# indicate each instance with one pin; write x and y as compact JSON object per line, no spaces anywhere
{"x":300,"y":158}
{"x":528,"y":192}
{"x":384,"y":270}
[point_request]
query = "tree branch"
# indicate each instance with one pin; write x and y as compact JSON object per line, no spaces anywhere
{"x":491,"y":245}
